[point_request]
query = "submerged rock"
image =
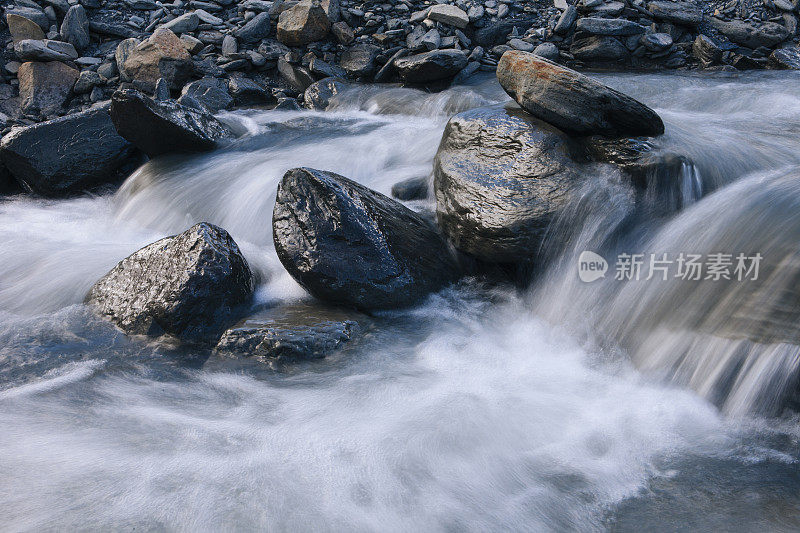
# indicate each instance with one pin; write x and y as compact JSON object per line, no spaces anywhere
{"x":67,"y":155}
{"x":785,"y":58}
{"x":164,"y":127}
{"x":411,"y":189}
{"x":500,"y":179}
{"x":350,"y":245}
{"x":571,"y":101}
{"x":186,"y":285}
{"x":291,"y":332}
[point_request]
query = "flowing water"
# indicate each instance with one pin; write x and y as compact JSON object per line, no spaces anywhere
{"x":618,"y":405}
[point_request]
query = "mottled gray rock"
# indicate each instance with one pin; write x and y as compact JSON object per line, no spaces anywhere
{"x":45,"y":86}
{"x":208,"y":94}
{"x":571,"y":101}
{"x":616,"y":27}
{"x":547,"y":51}
{"x":75,"y":28}
{"x":768,"y":34}
{"x":298,"y":78}
{"x":292,"y":332}
{"x":598,"y":48}
{"x":500,"y":178}
{"x":304,"y":23}
{"x":256,"y":29}
{"x":186,"y":286}
{"x":430,"y":66}
{"x":706,"y":51}
{"x":350,"y":245}
{"x":187,"y":22}
{"x":67,"y":155}
{"x":46,"y":50}
{"x":683,"y":13}
{"x":566,"y":20}
{"x":164,"y":127}
{"x":785,"y":58}
{"x":343,"y":33}
{"x":449,"y":14}
{"x":656,"y":42}
{"x":359,"y":60}
{"x":87,"y":80}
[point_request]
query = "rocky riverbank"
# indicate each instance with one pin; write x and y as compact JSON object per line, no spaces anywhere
{"x":59,"y":57}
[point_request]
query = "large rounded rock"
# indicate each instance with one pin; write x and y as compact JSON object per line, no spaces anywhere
{"x":431,"y":66}
{"x":185,"y":285}
{"x":500,"y":178}
{"x":166,"y":126}
{"x":571,"y":101}
{"x":319,"y":94}
{"x":768,"y":34}
{"x":66,"y":155}
{"x":163,"y":55}
{"x":350,"y":245}
{"x":598,"y":48}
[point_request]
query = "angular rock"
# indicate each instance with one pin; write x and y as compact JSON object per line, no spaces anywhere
{"x":598,"y":48}
{"x":656,"y":42}
{"x":298,"y":78}
{"x":318,"y":95}
{"x":411,"y":189}
{"x":37,"y":16}
{"x":359,"y":60}
{"x":343,"y":33}
{"x":571,"y":101}
{"x":302,"y":24}
{"x":291,"y":332}
{"x":706,"y":51}
{"x":160,"y":56}
{"x":494,"y":33}
{"x":185,"y":23}
{"x":350,"y":245}
{"x":246,"y":92}
{"x":683,"y":13}
{"x":500,"y":178}
{"x":67,"y":155}
{"x":75,"y":28}
{"x":23,"y":28}
{"x":255,"y":30}
{"x":615,"y":27}
{"x":87,"y":80}
{"x":208,"y":94}
{"x":45,"y":87}
{"x":785,"y":58}
{"x":430,"y":66}
{"x":186,"y":285}
{"x":121,"y":54}
{"x":767,"y":34}
{"x":164,"y":127}
{"x":566,"y":20}
{"x":46,"y":50}
{"x":448,"y":14}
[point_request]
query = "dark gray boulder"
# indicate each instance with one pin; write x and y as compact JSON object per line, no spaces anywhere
{"x":616,"y":27}
{"x":8,"y":185}
{"x":75,"y":27}
{"x":164,"y":127}
{"x":494,"y":33}
{"x":706,"y":51}
{"x":291,"y":332}
{"x":598,"y":48}
{"x":359,"y":60}
{"x":431,"y":66}
{"x":682,"y":13}
{"x":186,"y":286}
{"x":571,"y":101}
{"x":318,"y":95}
{"x":411,"y":189}
{"x":349,"y":245}
{"x":785,"y":58}
{"x":255,"y":30}
{"x":767,"y":34}
{"x":208,"y":94}
{"x":500,"y":178}
{"x":67,"y":155}
{"x":246,"y":92}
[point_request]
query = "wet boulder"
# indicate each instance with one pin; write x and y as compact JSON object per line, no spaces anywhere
{"x":67,"y":155}
{"x":706,"y":51}
{"x":411,"y":189}
{"x":430,"y":66}
{"x":573,"y":102}
{"x":349,"y":245}
{"x":166,"y":126}
{"x":785,"y":58}
{"x":207,"y":94}
{"x":162,"y":55}
{"x":359,"y":60}
{"x":319,"y":94}
{"x":303,"y":23}
{"x":186,"y":286}
{"x":292,"y":332}
{"x":500,"y":178}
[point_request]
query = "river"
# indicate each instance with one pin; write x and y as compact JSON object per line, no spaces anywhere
{"x":565,"y":406}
